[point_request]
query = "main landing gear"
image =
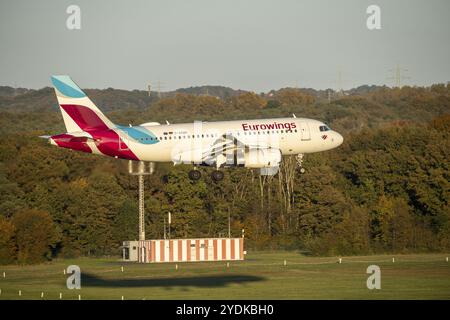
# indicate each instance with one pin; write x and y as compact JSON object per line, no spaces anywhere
{"x":194,"y":175}
{"x":216,"y":175}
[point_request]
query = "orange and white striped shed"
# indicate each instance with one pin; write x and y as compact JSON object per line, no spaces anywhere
{"x":189,"y":250}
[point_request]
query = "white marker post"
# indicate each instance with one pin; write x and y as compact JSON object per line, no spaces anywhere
{"x":79,"y":297}
{"x":285,"y":263}
{"x":42,"y":295}
{"x":176,"y":266}
{"x":4,"y":273}
{"x":20,"y":292}
{"x":228,"y":264}
{"x":393,"y":260}
{"x":340,"y":260}
{"x":122,"y":298}
{"x":446,"y":259}
{"x":121,"y":268}
{"x":60,"y":295}
{"x":170,"y":221}
{"x":64,"y":271}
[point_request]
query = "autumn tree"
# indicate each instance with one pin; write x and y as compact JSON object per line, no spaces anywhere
{"x":7,"y":241}
{"x":248,"y":101}
{"x":36,"y":236}
{"x":292,"y":97}
{"x":395,"y":224}
{"x":348,"y":237}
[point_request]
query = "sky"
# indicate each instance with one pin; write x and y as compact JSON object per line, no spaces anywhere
{"x":255,"y":45}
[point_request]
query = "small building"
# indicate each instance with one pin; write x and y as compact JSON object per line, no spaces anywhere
{"x":130,"y":251}
{"x":184,"y":250}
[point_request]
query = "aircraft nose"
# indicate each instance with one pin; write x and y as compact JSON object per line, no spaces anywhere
{"x":338,"y":139}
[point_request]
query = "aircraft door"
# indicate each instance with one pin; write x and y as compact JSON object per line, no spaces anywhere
{"x":304,"y":131}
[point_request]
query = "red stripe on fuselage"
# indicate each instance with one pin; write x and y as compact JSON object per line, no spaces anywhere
{"x":108,"y":141}
{"x":108,"y":144}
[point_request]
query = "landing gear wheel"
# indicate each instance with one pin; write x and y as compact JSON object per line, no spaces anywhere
{"x":300,"y":162}
{"x":217,"y":175}
{"x":194,"y":175}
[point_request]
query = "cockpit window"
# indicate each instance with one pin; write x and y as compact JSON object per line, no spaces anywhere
{"x":324,"y":128}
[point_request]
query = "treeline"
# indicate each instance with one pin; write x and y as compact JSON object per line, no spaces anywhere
{"x":366,"y":106}
{"x":386,"y":189}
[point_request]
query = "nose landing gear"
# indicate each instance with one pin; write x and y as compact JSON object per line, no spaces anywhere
{"x":300,"y":162}
{"x":216,"y":175}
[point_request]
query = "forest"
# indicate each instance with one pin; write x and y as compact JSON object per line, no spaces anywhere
{"x":386,"y":189}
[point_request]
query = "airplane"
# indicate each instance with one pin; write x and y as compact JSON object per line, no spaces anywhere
{"x":255,"y":144}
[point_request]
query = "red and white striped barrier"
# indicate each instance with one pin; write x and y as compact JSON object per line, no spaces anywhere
{"x":190,"y":250}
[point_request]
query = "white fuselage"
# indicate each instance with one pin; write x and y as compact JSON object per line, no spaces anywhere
{"x":289,"y":135}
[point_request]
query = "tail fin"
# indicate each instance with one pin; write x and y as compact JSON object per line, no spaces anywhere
{"x":78,"y":111}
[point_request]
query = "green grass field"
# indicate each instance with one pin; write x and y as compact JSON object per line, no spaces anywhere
{"x":261,"y":276}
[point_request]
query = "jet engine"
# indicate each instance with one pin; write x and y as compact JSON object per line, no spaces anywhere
{"x":261,"y":158}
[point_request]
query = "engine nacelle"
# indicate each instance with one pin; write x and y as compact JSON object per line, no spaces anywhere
{"x":262,"y":158}
{"x":188,"y":156}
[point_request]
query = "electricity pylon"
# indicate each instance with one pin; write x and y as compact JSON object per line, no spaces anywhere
{"x":398,"y":75}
